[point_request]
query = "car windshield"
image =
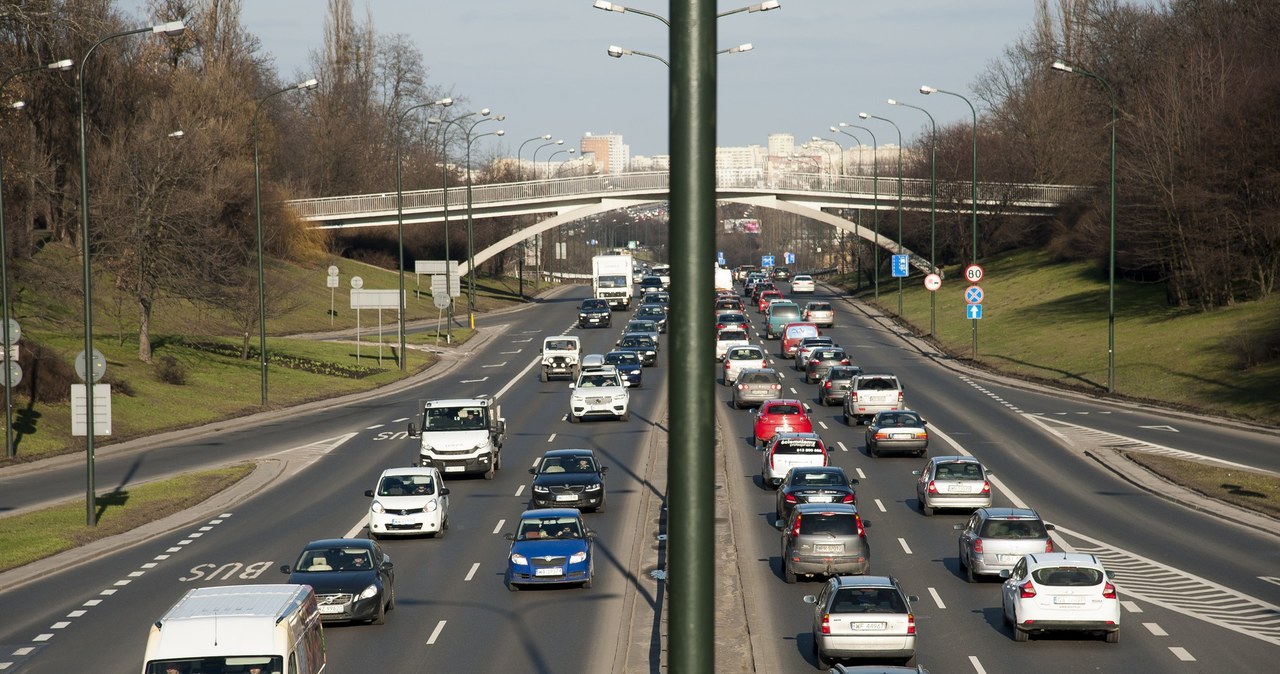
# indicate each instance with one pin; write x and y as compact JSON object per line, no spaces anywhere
{"x":819,"y":479}
{"x":899,"y":420}
{"x":1067,"y":576}
{"x":453,"y":419}
{"x":229,"y":663}
{"x":622,"y":358}
{"x":406,"y":485}
{"x":532,"y":528}
{"x":835,"y":524}
{"x":567,"y":464}
{"x":561,"y":345}
{"x":1013,"y":529}
{"x":325,"y":560}
{"x":597,"y":381}
{"x":594,"y":304}
{"x":868,"y":600}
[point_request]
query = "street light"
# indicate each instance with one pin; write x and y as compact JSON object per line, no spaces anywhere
{"x":973,"y":197}
{"x":65,"y":64}
{"x":257,"y":202}
{"x":1111,"y":256}
{"x":539,"y":148}
{"x":820,"y":139}
{"x":471,"y":249}
{"x":875,"y":199}
{"x":444,"y":103}
{"x":864,"y":115}
{"x":858,"y":222}
{"x":560,"y":168}
{"x":614,"y":7}
{"x":519,"y":163}
{"x":933,"y":206}
{"x":618,"y":52}
{"x":172,"y":29}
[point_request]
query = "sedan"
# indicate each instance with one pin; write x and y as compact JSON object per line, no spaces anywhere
{"x":780,"y":416}
{"x":802,"y":283}
{"x":900,"y":431}
{"x":550,"y":546}
{"x":411,"y":500}
{"x":650,"y":283}
{"x":952,"y":482}
{"x":654,"y":312}
{"x":644,"y":346}
{"x":994,"y":539}
{"x":765,"y":297}
{"x":353,"y":578}
{"x":755,"y":386}
{"x":569,"y":478}
{"x":821,"y":360}
{"x":732,"y":319}
{"x":645,"y":326}
{"x":1060,"y":591}
{"x":628,"y":364}
{"x":835,"y":382}
{"x":806,"y":346}
{"x":824,"y":484}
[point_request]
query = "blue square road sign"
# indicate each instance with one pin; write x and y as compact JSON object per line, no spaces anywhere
{"x":973,"y":311}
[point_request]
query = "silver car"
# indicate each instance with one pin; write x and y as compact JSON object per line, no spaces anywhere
{"x":994,"y":539}
{"x":755,"y":385}
{"x":819,"y":313}
{"x":862,"y":617}
{"x":952,"y":482}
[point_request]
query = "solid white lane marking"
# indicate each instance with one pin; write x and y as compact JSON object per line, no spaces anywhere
{"x":881,"y":506}
{"x":499,"y":527}
{"x":1155,"y":629}
{"x":358,"y":526}
{"x":502,"y":364}
{"x":936,"y":598}
{"x":509,"y":353}
{"x":472,"y":573}
{"x":435,"y":633}
{"x":520,"y":490}
{"x":473,"y":381}
{"x":905,"y":548}
{"x":1130,"y":606}
{"x":1270,"y":579}
{"x":1182,"y":654}
{"x":977,"y":666}
{"x":1171,"y":429}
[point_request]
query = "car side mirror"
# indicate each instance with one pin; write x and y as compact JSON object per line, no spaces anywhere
{"x":915,"y":472}
{"x":591,"y":535}
{"x":284,"y":568}
{"x":444,"y":491}
{"x":810,"y":599}
{"x":510,"y":537}
{"x":1005,"y":573}
{"x":386,"y":562}
{"x":854,"y":481}
{"x":413,"y":431}
{"x":778,"y":524}
{"x":369,"y":493}
{"x":533,"y":471}
{"x":626,"y":384}
{"x":1111,"y":575}
{"x":502,"y":425}
{"x":913,"y":598}
{"x":572,"y":385}
{"x":924,"y":422}
{"x":959,"y":527}
{"x":604,"y":469}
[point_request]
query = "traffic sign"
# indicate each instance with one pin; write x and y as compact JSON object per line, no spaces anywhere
{"x":973,"y":311}
{"x":901,"y":266}
{"x":789,"y":258}
{"x":973,"y":273}
{"x":91,"y":368}
{"x":973,"y":295}
{"x":333,"y":270}
{"x":766,"y":260}
{"x":932,"y":282}
{"x":357,"y":282}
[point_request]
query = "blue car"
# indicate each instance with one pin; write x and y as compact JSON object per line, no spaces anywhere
{"x":628,"y":364}
{"x":550,"y":546}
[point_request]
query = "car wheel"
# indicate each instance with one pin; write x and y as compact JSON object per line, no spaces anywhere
{"x":823,"y":663}
{"x":625,"y":416}
{"x":1019,"y":635}
{"x":787,"y":574}
{"x":1113,"y":637}
{"x":512,"y":587}
{"x":1004,"y":616}
{"x":372,"y":536}
{"x":573,"y":419}
{"x":925,"y":509}
{"x":542,"y":376}
{"x":488,"y":474}
{"x":599,"y":508}
{"x":968,"y":572}
{"x":873,"y":450}
{"x":846,"y":418}
{"x":380,"y":618}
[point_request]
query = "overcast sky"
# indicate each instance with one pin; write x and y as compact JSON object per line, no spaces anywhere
{"x":544,"y":63}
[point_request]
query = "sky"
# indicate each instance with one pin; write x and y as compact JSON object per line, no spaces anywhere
{"x":544,"y":63}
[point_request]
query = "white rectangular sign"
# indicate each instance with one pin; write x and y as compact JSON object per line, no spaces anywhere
{"x":434,"y":266}
{"x":375,"y":299}
{"x":101,"y":410}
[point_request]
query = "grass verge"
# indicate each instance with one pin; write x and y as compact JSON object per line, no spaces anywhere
{"x":1255,"y":491}
{"x":36,"y":535}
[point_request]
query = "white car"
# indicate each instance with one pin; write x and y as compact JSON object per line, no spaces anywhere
{"x":739,"y":358}
{"x":1060,"y":591}
{"x":728,"y":338}
{"x":802,"y":283}
{"x":600,"y":392}
{"x":407,"y":502}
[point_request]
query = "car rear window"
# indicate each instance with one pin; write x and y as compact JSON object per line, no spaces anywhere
{"x":899,"y":420}
{"x":836,"y":524}
{"x":801,"y":331}
{"x":868,"y":600}
{"x":958,"y":471}
{"x":819,"y":306}
{"x":726,"y":335}
{"x":1013,"y":529}
{"x":1067,"y":576}
{"x":759,"y":378}
{"x":744,"y":354}
{"x":799,"y":446}
{"x":818,"y":479}
{"x":783,"y":409}
{"x":784,"y":311}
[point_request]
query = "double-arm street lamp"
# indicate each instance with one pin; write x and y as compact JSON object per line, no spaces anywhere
{"x":864,"y":115}
{"x":444,"y":103}
{"x":519,"y":163}
{"x":257,"y":203}
{"x":858,"y":212}
{"x":933,"y":205}
{"x":615,"y":7}
{"x":875,"y":199}
{"x":471,"y":251}
{"x":973,"y":196}
{"x":65,"y":64}
{"x":172,"y":29}
{"x":618,"y":52}
{"x":1111,"y":247}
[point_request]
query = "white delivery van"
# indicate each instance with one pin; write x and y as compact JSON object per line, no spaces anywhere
{"x":233,"y":627}
{"x":460,"y":435}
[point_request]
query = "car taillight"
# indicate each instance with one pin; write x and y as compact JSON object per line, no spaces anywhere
{"x":911,"y":623}
{"x":1027,"y":590}
{"x":899,"y":397}
{"x":826,"y":623}
{"x":777,"y":387}
{"x":827,"y":386}
{"x":795,"y":529}
{"x":844,"y":361}
{"x":790,"y":498}
{"x":742,"y":387}
{"x":977,"y":546}
{"x":1048,"y":545}
{"x":1108,"y":591}
{"x":848,"y":498}
{"x":882,"y":435}
{"x":813,"y":361}
{"x":858,"y":519}
{"x":986,"y":487}
{"x":933,"y":488}
{"x":853,"y":396}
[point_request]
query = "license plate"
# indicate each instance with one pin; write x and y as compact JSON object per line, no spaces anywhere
{"x":820,"y":499}
{"x":900,"y":436}
{"x":399,"y":521}
{"x":868,"y":627}
{"x":328,"y":608}
{"x":454,"y":469}
{"x":957,"y":488}
{"x":1010,"y":559}
{"x":566,"y":497}
{"x":1068,"y":600}
{"x":551,"y":571}
{"x":828,"y":548}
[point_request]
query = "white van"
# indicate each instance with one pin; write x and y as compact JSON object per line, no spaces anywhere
{"x":228,"y":629}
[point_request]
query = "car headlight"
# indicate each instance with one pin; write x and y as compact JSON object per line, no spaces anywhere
{"x":519,"y":560}
{"x":594,"y":487}
{"x":539,"y":489}
{"x":371,"y":591}
{"x":428,"y":448}
{"x":376,"y":507}
{"x":478,"y":447}
{"x":432,"y":506}
{"x":621,"y":397}
{"x":578,"y":557}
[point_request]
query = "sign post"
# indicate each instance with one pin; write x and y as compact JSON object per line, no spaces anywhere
{"x":332,"y":283}
{"x":12,"y":376}
{"x":974,"y":273}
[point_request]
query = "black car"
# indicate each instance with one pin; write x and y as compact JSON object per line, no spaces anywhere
{"x":643,"y":345}
{"x":569,"y":478}
{"x":657,"y":297}
{"x":654,"y":312}
{"x":628,"y":364}
{"x":353,"y":578}
{"x":650,"y":283}
{"x":594,"y":312}
{"x":819,"y":484}
{"x":835,"y":382}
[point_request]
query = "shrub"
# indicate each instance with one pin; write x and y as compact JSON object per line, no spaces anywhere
{"x":170,"y":371}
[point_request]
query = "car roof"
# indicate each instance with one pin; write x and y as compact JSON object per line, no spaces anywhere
{"x":863,"y":581}
{"x":457,"y":402}
{"x":1062,"y":559}
{"x":551,"y":512}
{"x":753,"y":370}
{"x":408,"y":470}
{"x":339,"y":543}
{"x":784,"y":401}
{"x":798,"y":435}
{"x":620,"y":354}
{"x":1005,"y":513}
{"x":567,"y":452}
{"x":954,"y":459}
{"x":839,"y":508}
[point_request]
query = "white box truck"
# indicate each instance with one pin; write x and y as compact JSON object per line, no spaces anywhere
{"x":234,"y":627}
{"x":724,"y":279}
{"x":611,"y":279}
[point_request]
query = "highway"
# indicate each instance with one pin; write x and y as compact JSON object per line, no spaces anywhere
{"x":453,"y":613}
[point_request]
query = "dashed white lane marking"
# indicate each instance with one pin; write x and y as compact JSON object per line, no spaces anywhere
{"x":1130,"y":606}
{"x":905,"y":548}
{"x":881,"y":506}
{"x":1182,"y":654}
{"x":841,"y":446}
{"x":982,"y":389}
{"x":401,"y":420}
{"x":793,"y":391}
{"x":823,"y":424}
{"x":43,"y":637}
{"x":977,"y":666}
{"x":1155,"y":629}
{"x":520,"y":490}
{"x":861,"y":475}
{"x":435,"y":633}
{"x":61,"y":624}
{"x":25,"y":650}
{"x":373,"y":427}
{"x":936,"y":598}
{"x":499,"y":527}
{"x":107,"y":592}
{"x":472,"y":573}
{"x":551,"y":437}
{"x":92,"y":602}
{"x":76,"y":613}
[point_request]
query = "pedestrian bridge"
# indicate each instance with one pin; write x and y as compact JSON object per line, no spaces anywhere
{"x":564,"y":200}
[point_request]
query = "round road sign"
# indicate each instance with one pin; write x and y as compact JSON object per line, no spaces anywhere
{"x":15,"y":373}
{"x":13,"y":331}
{"x":973,"y":273}
{"x":333,"y":270}
{"x":973,"y":295}
{"x":357,"y":282}
{"x":96,"y":369}
{"x":932,"y":282}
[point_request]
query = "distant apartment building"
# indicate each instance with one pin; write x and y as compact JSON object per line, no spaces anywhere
{"x":611,"y":154}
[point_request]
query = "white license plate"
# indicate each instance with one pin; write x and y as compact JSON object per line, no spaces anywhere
{"x":454,"y":469}
{"x":1009,"y":559}
{"x":820,"y":499}
{"x":328,"y":608}
{"x":552,"y":571}
{"x":828,"y":548}
{"x":900,"y":436}
{"x":399,"y":521}
{"x":868,"y":627}
{"x":957,"y":488}
{"x":566,"y":497}
{"x":1068,"y":600}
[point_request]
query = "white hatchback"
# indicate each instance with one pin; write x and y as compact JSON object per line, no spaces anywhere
{"x":802,"y":283}
{"x":739,"y":358}
{"x":1060,"y":591}
{"x":409,"y":501}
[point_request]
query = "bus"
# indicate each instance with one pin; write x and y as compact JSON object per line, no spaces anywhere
{"x":236,"y":629}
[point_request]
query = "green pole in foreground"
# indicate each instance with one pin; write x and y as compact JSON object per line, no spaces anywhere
{"x":691,"y":476}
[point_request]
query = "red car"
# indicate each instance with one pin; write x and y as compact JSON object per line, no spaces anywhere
{"x":777,"y":416}
{"x":766,"y":297}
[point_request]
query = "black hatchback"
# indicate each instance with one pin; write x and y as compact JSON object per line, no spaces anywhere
{"x":569,"y":478}
{"x":353,"y":578}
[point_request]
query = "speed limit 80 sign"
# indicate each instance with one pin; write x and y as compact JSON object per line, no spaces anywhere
{"x":973,"y":273}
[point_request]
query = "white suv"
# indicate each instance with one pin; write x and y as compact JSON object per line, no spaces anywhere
{"x":409,"y":501}
{"x":600,"y":392}
{"x":1060,"y":591}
